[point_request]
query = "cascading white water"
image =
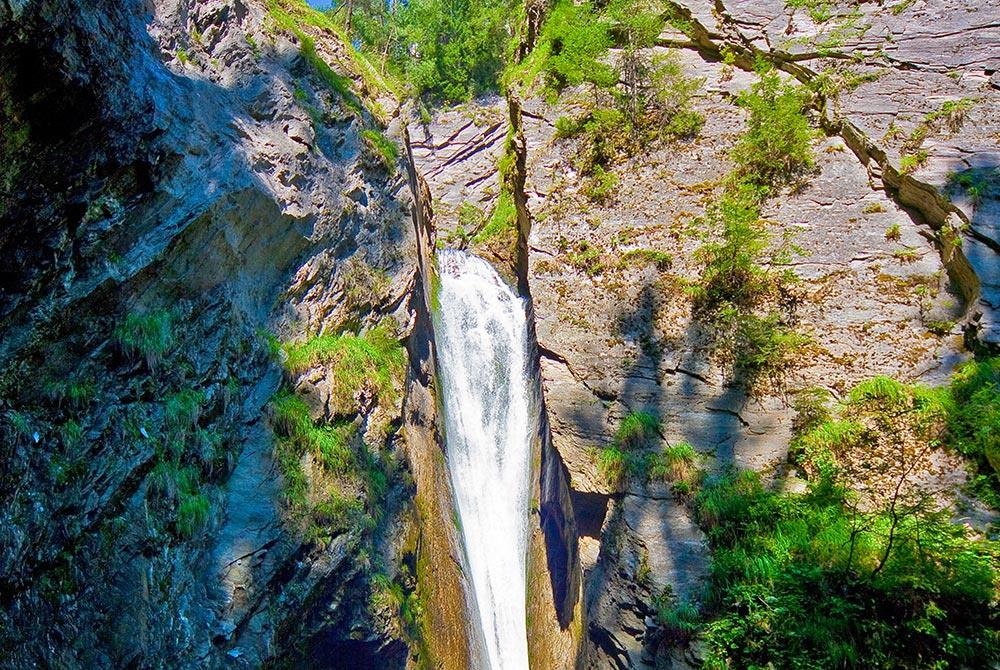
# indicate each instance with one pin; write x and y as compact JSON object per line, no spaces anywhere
{"x":490,"y":412}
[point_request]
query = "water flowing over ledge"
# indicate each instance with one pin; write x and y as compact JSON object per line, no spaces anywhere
{"x":490,"y":410}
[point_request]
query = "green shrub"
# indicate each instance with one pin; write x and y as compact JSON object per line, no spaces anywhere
{"x":819,"y":11}
{"x":71,"y":434}
{"x":587,"y":258}
{"x":502,"y":223}
{"x":776,"y":144}
{"x":637,"y":431}
{"x":336,"y":512}
{"x":669,"y":108}
{"x":291,"y":15}
{"x":684,"y":124}
{"x":447,"y":50}
{"x":893,"y":233}
{"x":908,"y":163}
{"x":182,"y":410}
{"x":803,"y":581}
{"x":677,"y":464}
{"x":331,"y":444}
{"x":146,"y":334}
{"x":973,"y":421}
{"x":735,"y":285}
{"x":732,"y":272}
{"x":763,"y":347}
{"x":952,"y":113}
{"x":811,"y":407}
{"x":180,"y":486}
{"x":572,"y":45}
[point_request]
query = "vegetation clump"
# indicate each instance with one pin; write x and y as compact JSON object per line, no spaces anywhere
{"x":374,"y":360}
{"x":386,"y":149}
{"x":326,"y":498}
{"x":406,"y":39}
{"x":677,"y":464}
{"x":811,"y":581}
{"x":146,"y":334}
{"x":740,"y":283}
{"x":637,"y":431}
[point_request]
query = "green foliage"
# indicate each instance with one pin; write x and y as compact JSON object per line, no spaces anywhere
{"x":192,"y":514}
{"x":180,"y":486}
{"x":448,"y":50}
{"x":342,"y":461}
{"x":669,"y":107}
{"x":886,"y":391}
{"x":820,"y":11}
{"x":182,"y":409}
{"x":735,"y":285}
{"x":659,"y":259}
{"x":502,"y":223}
{"x":146,"y":334}
{"x":600,"y":187}
{"x":652,"y":101}
{"x":587,"y":257}
{"x":964,"y":416}
{"x":677,"y":464}
{"x":78,"y":390}
{"x":71,"y":433}
{"x":684,"y":124}
{"x":363,"y":284}
{"x":612,"y":464}
{"x":977,"y":183}
{"x":387,"y":150}
{"x":973,"y":424}
{"x":374,"y":359}
{"x":908,"y":163}
{"x":776,"y":145}
{"x":292,"y":15}
{"x":570,"y":49}
{"x":951,"y":114}
{"x":811,"y":407}
{"x":332,"y":446}
{"x":809,"y":582}
{"x":763,"y":347}
{"x":893,"y":233}
{"x":732,"y":273}
{"x":636,"y":430}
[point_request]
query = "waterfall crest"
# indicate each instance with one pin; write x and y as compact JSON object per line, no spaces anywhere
{"x":490,"y":412}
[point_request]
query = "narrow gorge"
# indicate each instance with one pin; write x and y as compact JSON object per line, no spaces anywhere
{"x":500,"y":334}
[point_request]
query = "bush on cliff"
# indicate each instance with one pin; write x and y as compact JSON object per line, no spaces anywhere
{"x":809,"y":581}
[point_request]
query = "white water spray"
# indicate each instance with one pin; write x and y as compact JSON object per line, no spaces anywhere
{"x":490,"y":413}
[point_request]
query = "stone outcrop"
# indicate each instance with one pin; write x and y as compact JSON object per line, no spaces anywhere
{"x":181,"y":174}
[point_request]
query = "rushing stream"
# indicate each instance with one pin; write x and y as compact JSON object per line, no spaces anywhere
{"x":490,"y":413}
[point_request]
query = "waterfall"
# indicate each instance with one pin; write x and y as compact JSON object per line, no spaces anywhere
{"x":490,"y":412}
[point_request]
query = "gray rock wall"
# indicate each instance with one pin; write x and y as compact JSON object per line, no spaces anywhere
{"x":178,"y":158}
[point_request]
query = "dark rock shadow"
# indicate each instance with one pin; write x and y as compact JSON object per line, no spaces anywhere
{"x":974,"y":186}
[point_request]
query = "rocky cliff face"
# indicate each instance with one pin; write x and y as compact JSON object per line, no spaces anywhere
{"x":179,"y":178}
{"x":184,"y":184}
{"x":898,"y":262}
